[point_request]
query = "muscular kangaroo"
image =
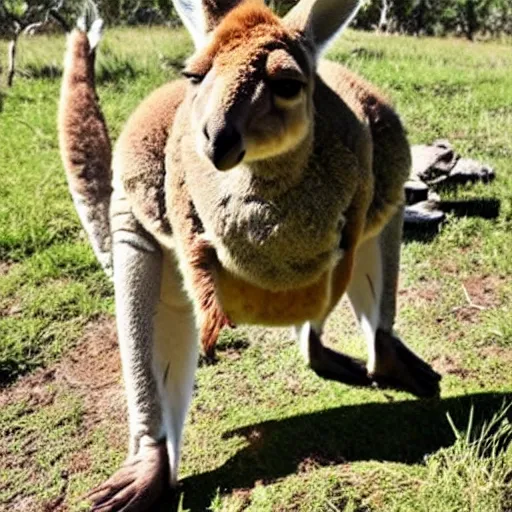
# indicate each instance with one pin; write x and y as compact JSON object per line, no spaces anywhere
{"x":258,"y":190}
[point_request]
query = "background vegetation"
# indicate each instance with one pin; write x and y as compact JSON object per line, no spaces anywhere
{"x":440,"y":17}
{"x":264,"y":433}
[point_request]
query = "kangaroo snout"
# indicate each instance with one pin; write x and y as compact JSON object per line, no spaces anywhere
{"x":224,"y":146}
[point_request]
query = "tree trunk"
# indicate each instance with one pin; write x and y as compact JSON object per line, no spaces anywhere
{"x":11,"y":59}
{"x":383,"y":20}
{"x":471,"y":20}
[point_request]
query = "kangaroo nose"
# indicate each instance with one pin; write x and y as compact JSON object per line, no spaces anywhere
{"x":224,"y":146}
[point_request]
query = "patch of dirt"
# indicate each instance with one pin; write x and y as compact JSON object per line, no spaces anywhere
{"x":428,"y":293}
{"x":483,"y":290}
{"x":316,"y":461}
{"x":23,"y":504}
{"x":33,"y":389}
{"x":450,"y":365}
{"x":467,"y":314}
{"x":481,"y":294}
{"x":5,"y":267}
{"x":496,"y":352}
{"x":91,"y":370}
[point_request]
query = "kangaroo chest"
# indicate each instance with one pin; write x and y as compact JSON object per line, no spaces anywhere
{"x":274,"y":240}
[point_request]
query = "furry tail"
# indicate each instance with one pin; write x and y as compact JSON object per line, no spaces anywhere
{"x":83,"y":135}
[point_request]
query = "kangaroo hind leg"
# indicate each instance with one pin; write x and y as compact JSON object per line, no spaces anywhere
{"x":372,"y":292}
{"x":328,"y":363}
{"x":325,"y":362}
{"x":175,"y":358}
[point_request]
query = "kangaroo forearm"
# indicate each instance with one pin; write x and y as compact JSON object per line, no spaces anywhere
{"x":198,"y":261}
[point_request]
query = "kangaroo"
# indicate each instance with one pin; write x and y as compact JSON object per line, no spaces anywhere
{"x":258,"y":190}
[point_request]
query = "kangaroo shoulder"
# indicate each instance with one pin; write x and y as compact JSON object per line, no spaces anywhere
{"x":390,"y":149}
{"x":139,"y":156}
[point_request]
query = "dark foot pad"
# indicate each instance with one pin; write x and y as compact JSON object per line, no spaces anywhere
{"x":333,"y":365}
{"x":136,"y":486}
{"x":399,"y":368}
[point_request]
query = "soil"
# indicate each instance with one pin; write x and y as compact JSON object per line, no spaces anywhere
{"x":91,"y":370}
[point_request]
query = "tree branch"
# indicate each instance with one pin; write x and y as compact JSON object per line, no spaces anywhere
{"x":59,"y":19}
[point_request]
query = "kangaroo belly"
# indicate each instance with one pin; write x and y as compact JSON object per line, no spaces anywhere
{"x":245,"y":303}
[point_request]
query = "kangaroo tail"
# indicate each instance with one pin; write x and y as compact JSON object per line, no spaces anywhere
{"x":84,"y":141}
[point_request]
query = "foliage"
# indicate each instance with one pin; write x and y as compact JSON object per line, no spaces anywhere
{"x":430,"y":17}
{"x":438,"y":17}
{"x":17,"y":16}
{"x":474,"y":473}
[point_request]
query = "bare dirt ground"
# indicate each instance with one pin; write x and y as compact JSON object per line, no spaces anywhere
{"x":91,"y":372}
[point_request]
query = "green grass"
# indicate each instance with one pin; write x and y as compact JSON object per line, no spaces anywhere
{"x":264,"y":433}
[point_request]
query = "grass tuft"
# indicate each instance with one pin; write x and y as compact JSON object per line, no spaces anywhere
{"x":475,"y":473}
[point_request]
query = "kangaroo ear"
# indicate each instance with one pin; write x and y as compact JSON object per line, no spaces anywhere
{"x":321,"y":20}
{"x":201,"y":16}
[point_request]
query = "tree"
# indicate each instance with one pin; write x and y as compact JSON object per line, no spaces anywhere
{"x":472,"y":15}
{"x":17,"y":18}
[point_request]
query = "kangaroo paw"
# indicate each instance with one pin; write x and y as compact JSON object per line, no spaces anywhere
{"x":399,"y":368}
{"x":333,"y":365}
{"x":136,"y":486}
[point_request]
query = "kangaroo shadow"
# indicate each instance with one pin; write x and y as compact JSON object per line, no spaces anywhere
{"x":426,"y":232}
{"x":397,"y":432}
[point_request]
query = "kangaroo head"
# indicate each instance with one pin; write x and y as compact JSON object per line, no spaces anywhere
{"x":252,"y":75}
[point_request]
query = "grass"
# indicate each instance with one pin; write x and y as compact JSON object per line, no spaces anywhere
{"x":264,"y":433}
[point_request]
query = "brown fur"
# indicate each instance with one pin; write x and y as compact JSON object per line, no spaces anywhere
{"x":246,"y":24}
{"x":295,"y":195}
{"x":243,"y":26}
{"x":84,"y":140}
{"x":140,"y":156}
{"x":391,"y":155}
{"x":363,"y":123}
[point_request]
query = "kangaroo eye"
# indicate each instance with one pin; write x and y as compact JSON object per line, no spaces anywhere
{"x":287,"y":88}
{"x":194,"y":78}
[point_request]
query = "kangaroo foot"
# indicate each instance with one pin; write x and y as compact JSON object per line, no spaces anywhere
{"x":136,"y":486}
{"x":333,"y":365}
{"x":399,"y":368}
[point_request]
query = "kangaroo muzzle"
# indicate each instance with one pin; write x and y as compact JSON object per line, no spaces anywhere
{"x":224,"y":146}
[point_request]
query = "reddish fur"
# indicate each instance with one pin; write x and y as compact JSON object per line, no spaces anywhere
{"x":84,"y":140}
{"x":246,"y":25}
{"x":202,"y":262}
{"x":241,"y":21}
